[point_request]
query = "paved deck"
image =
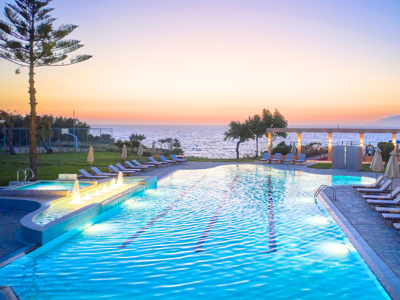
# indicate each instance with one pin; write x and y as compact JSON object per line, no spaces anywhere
{"x":382,"y":239}
{"x":9,"y":224}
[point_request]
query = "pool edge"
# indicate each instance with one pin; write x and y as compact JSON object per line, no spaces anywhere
{"x":40,"y":235}
{"x":389,"y":281}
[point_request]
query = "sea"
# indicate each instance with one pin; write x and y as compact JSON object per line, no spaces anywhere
{"x":208,"y":140}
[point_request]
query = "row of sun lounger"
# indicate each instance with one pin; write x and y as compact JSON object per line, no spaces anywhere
{"x":387,"y":205}
{"x":277,"y":158}
{"x":132,"y":167}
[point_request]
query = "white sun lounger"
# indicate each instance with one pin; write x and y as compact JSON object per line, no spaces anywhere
{"x":138,"y":165}
{"x":129,"y":165}
{"x":389,"y":196}
{"x":369,"y":186}
{"x":391,"y":217}
{"x":181,"y":159}
{"x":158,"y":162}
{"x":86,"y":175}
{"x":301,"y":160}
{"x":266,"y":157}
{"x":277,"y":158}
{"x":122,"y":168}
{"x":289,"y":158}
{"x":164,"y":159}
{"x":382,"y":189}
{"x":114,"y":169}
{"x":100,"y":173}
{"x":373,"y":202}
{"x":391,"y":210}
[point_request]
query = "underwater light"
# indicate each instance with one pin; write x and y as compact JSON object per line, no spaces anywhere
{"x":318,"y":220}
{"x":335,"y":249}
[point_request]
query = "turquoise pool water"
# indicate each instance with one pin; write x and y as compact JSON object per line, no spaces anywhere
{"x":234,"y":232}
{"x":52,"y":186}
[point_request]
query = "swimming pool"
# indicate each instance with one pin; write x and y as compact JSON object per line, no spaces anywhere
{"x":52,"y":186}
{"x":242,"y":232}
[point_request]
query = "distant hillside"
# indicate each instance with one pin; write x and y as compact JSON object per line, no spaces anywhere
{"x":390,"y":122}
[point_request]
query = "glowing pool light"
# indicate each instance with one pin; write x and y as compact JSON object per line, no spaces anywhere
{"x":318,"y":220}
{"x":336,"y":249}
{"x":87,"y":197}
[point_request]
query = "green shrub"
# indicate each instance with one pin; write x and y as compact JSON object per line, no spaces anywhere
{"x":178,"y":151}
{"x":282,"y":149}
{"x":386,"y":148}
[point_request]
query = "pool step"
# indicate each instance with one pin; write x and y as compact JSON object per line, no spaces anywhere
{"x":8,"y":293}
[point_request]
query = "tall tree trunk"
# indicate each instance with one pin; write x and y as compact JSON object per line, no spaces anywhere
{"x":32,"y":98}
{"x":256,"y":146}
{"x":237,"y":150}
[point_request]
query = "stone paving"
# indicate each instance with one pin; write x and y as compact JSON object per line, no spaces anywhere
{"x":382,"y":239}
{"x":9,"y":224}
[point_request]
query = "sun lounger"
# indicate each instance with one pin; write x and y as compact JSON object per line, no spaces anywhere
{"x":114,"y":169}
{"x":164,"y":159}
{"x":129,"y":165}
{"x":138,"y":165}
{"x":156,"y":164}
{"x":382,"y":189}
{"x":277,"y":158}
{"x":86,"y":175}
{"x":182,"y":159}
{"x":122,"y":168}
{"x":289,"y":158}
{"x":369,"y":186}
{"x":389,"y":196}
{"x":396,"y":226}
{"x":391,"y":217}
{"x":301,"y":160}
{"x":266,"y":158}
{"x":373,"y":202}
{"x":159,"y":162}
{"x":391,"y":210}
{"x":100,"y":173}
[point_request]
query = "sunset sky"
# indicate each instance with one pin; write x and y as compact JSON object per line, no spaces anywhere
{"x":210,"y":62}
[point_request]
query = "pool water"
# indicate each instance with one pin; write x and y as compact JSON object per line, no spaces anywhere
{"x":52,"y":186}
{"x":234,"y":232}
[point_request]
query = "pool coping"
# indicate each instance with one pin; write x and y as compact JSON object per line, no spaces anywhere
{"x":16,"y":191}
{"x":386,"y":277}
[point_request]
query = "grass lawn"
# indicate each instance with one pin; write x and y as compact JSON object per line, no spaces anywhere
{"x":365,"y":167}
{"x":50,"y":165}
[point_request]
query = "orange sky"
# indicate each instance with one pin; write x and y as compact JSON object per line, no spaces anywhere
{"x":188,"y":64}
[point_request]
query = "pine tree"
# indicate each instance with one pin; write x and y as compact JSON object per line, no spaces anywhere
{"x":28,"y":39}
